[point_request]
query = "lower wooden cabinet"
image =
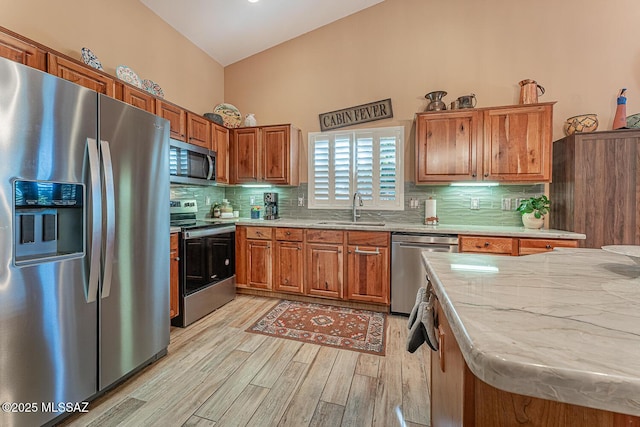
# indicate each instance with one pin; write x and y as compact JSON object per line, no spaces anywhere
{"x":312,"y":262}
{"x":174,"y":281}
{"x":511,"y":245}
{"x":288,"y":262}
{"x":368,"y":261}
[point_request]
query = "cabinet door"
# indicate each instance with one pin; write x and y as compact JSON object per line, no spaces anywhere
{"x":517,"y":143}
{"x":259,"y":264}
{"x":137,"y":98}
{"x":447,"y":146}
{"x":176,"y":117}
{"x":244,"y":161}
{"x":80,"y":74}
{"x":288,"y":267}
{"x":174,"y":276}
{"x":324,"y":264}
{"x":275,"y":154}
{"x":452,"y":383}
{"x":198,"y":132}
{"x":220,"y":144}
{"x":22,"y":52}
{"x":368,"y":274}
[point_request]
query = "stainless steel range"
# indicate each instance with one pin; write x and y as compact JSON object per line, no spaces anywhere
{"x":207,"y":262}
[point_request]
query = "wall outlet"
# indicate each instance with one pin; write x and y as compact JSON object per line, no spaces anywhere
{"x":301,"y":201}
{"x":475,"y":203}
{"x":414,"y":203}
{"x":516,"y":203}
{"x":506,"y":204}
{"x":207,"y":201}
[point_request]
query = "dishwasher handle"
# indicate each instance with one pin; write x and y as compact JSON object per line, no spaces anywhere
{"x":429,"y":247}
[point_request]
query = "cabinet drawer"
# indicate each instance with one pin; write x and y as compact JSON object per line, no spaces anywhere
{"x":260,"y":233}
{"x":370,"y":238}
{"x":289,"y":234}
{"x":534,"y":246}
{"x":325,"y":236}
{"x":489,"y":245}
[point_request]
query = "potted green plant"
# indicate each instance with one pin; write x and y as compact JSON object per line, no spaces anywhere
{"x":533,"y":211}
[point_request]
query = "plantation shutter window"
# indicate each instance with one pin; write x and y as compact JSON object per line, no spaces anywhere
{"x":368,"y":161}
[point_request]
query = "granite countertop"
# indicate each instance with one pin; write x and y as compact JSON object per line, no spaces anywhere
{"x":477,"y":230}
{"x":563,"y":325}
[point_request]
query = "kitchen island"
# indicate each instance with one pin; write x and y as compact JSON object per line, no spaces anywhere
{"x":546,"y":339}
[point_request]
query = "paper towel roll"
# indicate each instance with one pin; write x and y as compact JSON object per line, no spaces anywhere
{"x":430,"y":208}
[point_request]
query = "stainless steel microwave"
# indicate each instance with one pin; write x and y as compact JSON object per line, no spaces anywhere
{"x":191,"y":164}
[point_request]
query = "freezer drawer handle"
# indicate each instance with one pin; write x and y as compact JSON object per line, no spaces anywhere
{"x":110,"y":218}
{"x":94,"y":256}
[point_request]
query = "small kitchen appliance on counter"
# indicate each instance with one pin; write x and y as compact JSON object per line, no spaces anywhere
{"x":271,"y":205}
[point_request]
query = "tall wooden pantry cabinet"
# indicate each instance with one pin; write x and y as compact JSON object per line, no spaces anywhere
{"x":596,"y":187}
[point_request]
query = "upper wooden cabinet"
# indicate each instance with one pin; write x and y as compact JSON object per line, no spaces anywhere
{"x":506,"y":144}
{"x":267,"y":154}
{"x":138,"y":98}
{"x":20,"y":51}
{"x":220,"y":144}
{"x":198,"y":131}
{"x":176,"y":116}
{"x":80,"y":74}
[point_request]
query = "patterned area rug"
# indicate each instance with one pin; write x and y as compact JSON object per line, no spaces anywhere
{"x":347,"y":328}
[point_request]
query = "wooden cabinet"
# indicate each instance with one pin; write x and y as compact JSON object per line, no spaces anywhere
{"x":446,"y":146}
{"x":174,"y":281}
{"x":517,"y":143}
{"x":508,"y":144}
{"x":288,"y":260}
{"x":324,"y":261}
{"x":595,"y":188}
{"x":176,"y":116}
{"x":198,"y":131}
{"x":267,"y":154}
{"x":368,"y":267}
{"x":452,"y":383}
{"x":138,"y":98}
{"x":254,"y":257}
{"x":535,"y":246}
{"x":511,"y":245}
{"x":21,"y":51}
{"x":220,"y":144}
{"x":488,"y":245}
{"x":80,"y":74}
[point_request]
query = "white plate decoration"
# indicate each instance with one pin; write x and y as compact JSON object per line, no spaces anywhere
{"x":152,"y":87}
{"x":90,"y":58}
{"x":126,"y":74}
{"x":230,"y":115}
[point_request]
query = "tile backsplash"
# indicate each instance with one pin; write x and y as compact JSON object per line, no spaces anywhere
{"x":453,"y":203}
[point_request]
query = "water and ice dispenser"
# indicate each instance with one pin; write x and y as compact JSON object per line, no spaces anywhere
{"x":48,"y":221}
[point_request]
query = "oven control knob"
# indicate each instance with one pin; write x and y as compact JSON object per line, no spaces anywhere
{"x":226,"y":261}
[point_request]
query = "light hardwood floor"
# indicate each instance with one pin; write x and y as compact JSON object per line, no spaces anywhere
{"x":216,"y":374}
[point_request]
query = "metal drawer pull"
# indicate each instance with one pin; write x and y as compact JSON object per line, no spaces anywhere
{"x":377,"y":252}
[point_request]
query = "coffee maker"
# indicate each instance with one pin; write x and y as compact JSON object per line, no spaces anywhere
{"x":270,"y":205}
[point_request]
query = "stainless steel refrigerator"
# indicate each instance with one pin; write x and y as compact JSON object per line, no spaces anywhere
{"x":84,"y":226}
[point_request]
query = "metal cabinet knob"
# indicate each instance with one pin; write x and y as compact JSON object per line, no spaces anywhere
{"x":473,"y":175}
{"x":177,"y":258}
{"x":486,"y":175}
{"x":486,"y":244}
{"x":548,"y":247}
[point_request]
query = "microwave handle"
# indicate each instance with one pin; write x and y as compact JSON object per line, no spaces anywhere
{"x":210,"y":173}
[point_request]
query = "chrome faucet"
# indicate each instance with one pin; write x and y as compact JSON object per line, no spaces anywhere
{"x":354,"y":207}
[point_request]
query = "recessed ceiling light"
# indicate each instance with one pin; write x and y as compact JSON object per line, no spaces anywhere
{"x":253,"y":1}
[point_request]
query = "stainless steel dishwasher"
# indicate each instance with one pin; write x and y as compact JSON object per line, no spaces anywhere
{"x":407,"y":270}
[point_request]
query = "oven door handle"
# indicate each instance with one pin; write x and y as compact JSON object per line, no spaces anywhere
{"x":204,"y":232}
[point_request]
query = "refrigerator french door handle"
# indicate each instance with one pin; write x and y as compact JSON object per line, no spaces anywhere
{"x":210,"y":173}
{"x":94,"y":255}
{"x":110,"y":218}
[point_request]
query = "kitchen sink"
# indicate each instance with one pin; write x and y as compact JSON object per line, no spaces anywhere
{"x":351,"y":223}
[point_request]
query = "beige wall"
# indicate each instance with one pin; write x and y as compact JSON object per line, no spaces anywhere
{"x":122,"y":32}
{"x":581,"y":52}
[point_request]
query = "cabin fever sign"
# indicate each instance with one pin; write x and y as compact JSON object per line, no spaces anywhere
{"x":359,"y":114}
